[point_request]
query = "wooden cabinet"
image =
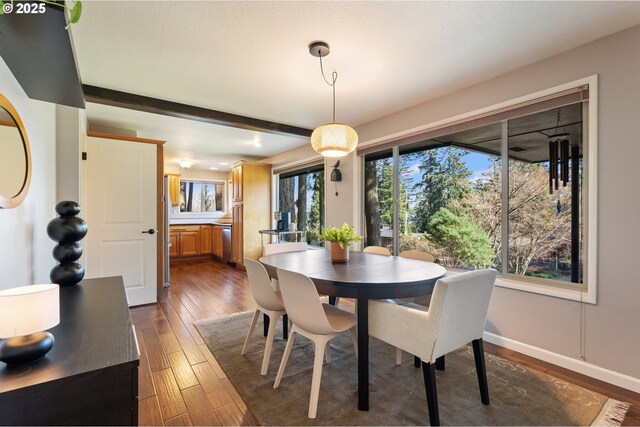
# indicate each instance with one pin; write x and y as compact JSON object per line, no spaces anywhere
{"x":251,"y":210}
{"x":187,"y":238}
{"x":236,"y":234}
{"x":237,"y":182}
{"x":217,"y":241}
{"x":173,"y":239}
{"x":174,"y":188}
{"x":206,"y":240}
{"x":91,"y":375}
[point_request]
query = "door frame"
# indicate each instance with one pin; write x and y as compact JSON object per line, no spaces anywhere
{"x":159,"y":193}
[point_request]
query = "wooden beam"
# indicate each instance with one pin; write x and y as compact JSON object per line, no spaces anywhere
{"x":147,"y":104}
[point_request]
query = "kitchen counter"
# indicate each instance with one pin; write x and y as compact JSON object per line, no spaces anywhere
{"x":195,"y":222}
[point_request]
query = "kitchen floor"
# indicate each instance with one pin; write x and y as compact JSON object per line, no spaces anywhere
{"x":180,"y":382}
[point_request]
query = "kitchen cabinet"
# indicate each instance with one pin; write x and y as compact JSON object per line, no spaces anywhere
{"x":173,"y":239}
{"x":237,"y":182}
{"x":236,"y":234}
{"x":251,"y":209}
{"x":187,"y":238}
{"x":206,"y":240}
{"x":174,"y":188}
{"x":217,"y":241}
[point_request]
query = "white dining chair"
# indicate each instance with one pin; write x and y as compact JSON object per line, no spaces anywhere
{"x":419,"y":255}
{"x":456,"y":316}
{"x":421,"y":300}
{"x":314,"y":320}
{"x":378,"y":250}
{"x":269,"y":303}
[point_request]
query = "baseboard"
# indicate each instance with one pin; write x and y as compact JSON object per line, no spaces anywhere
{"x":576,"y":365}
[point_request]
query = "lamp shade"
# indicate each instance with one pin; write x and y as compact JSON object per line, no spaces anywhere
{"x":334,"y":140}
{"x":29,"y":309}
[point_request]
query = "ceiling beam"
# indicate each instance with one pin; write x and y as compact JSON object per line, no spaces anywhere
{"x":147,"y":104}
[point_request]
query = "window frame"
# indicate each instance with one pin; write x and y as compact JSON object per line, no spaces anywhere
{"x":210,"y":214}
{"x":587,"y":291}
{"x":292,"y":171}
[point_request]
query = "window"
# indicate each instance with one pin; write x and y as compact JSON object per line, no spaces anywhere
{"x":507,"y":193}
{"x":201,"y":197}
{"x":301,"y":193}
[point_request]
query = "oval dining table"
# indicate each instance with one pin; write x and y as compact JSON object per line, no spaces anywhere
{"x":364,"y":277}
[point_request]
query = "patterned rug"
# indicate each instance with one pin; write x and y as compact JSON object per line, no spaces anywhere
{"x":519,"y":395}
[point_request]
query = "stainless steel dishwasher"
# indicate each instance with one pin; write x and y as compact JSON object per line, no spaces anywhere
{"x":226,"y":243}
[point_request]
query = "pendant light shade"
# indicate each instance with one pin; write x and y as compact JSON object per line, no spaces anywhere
{"x":334,"y":140}
{"x":331,"y":139}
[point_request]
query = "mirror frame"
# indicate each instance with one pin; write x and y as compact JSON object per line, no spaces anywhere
{"x":9,"y":203}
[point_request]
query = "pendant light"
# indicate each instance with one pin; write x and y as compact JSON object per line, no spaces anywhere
{"x":331,"y":139}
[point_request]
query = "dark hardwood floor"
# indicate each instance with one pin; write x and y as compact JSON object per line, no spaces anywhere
{"x":180,"y":382}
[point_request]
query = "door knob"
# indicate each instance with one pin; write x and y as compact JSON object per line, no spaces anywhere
{"x":150,"y":231}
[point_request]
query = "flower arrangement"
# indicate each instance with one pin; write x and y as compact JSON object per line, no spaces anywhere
{"x":342,"y":236}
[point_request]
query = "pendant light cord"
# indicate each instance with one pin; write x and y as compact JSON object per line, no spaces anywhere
{"x":334,"y":76}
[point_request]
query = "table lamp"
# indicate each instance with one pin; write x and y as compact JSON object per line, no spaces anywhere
{"x":26,"y":312}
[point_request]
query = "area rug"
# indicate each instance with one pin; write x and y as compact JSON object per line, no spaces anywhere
{"x":519,"y":395}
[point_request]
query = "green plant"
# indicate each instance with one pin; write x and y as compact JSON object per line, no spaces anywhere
{"x":342,"y":236}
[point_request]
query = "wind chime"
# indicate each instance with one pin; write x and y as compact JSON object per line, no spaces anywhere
{"x":558,"y":158}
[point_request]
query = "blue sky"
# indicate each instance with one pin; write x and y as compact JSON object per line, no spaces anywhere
{"x":476,"y":162}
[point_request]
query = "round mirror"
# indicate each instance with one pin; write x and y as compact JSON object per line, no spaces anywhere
{"x":15,"y":157}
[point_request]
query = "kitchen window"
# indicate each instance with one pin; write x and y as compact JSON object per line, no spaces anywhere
{"x":201,"y":197}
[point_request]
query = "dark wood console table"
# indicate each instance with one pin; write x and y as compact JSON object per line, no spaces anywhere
{"x":90,"y":377}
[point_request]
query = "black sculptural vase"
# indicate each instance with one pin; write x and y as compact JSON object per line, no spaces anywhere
{"x":67,"y":230}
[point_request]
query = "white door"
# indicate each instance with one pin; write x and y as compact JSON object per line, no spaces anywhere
{"x":121,"y":215}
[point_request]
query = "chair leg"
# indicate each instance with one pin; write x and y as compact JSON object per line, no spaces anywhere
{"x":285,"y":356}
{"x":398,"y":356}
{"x":251,"y":329}
{"x":416,"y":361}
{"x":481,"y":370}
{"x":429,"y":374}
{"x":320,"y":342}
{"x":440,"y":363}
{"x":271,"y":334}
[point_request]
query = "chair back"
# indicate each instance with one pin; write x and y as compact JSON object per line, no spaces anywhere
{"x":260,"y":283}
{"x":378,"y":250}
{"x":302,"y":303}
{"x":276,"y":248}
{"x":459,"y":307}
{"x":422,"y":256}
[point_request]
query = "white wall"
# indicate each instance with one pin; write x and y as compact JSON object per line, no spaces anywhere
{"x":610,"y":329}
{"x":25,"y":248}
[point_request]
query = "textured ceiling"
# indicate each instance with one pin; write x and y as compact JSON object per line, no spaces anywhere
{"x":251,"y":58}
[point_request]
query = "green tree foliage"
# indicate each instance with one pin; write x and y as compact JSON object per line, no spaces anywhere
{"x":316,"y":220}
{"x":460,"y":242}
{"x":384,"y":174}
{"x":444,"y":179}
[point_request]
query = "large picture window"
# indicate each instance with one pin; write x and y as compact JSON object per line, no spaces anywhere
{"x":507,"y":195}
{"x":301,"y":193}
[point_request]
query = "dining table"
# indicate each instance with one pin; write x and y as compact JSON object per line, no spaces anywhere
{"x":365,"y":276}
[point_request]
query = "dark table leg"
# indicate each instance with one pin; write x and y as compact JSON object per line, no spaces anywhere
{"x":363,"y":353}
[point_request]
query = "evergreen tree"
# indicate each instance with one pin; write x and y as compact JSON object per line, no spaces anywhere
{"x":444,"y":179}
{"x":461,"y":243}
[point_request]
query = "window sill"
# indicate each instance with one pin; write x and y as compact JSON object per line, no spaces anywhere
{"x":580,"y":295}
